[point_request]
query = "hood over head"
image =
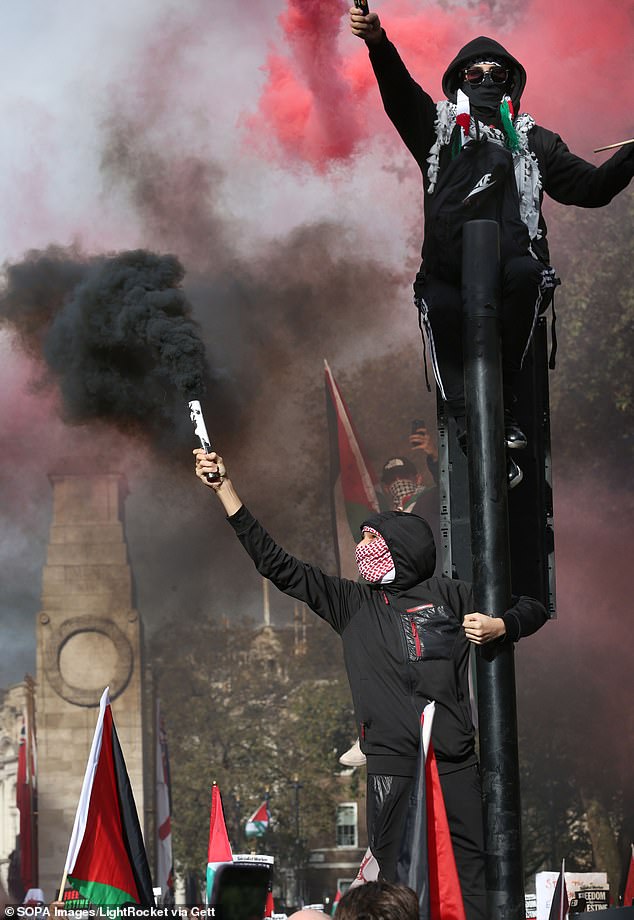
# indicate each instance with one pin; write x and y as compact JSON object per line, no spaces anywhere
{"x":484,"y":49}
{"x":411,"y":543}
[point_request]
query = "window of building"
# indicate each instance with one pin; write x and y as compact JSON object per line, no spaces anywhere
{"x":347,"y":834}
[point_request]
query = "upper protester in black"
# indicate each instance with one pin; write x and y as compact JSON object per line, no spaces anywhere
{"x":543,"y":162}
{"x":403,"y":642}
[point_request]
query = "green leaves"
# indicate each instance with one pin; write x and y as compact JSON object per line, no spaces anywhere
{"x":255,"y":711}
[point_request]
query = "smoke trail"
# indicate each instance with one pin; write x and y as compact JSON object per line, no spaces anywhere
{"x":307,"y":103}
{"x":175,"y":196}
{"x":116,"y":335}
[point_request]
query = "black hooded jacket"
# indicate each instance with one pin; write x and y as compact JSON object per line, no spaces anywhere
{"x":565,"y":177}
{"x":403,"y":643}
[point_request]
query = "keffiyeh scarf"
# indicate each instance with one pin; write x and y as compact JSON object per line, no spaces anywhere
{"x":527,"y":175}
{"x":374,"y":559}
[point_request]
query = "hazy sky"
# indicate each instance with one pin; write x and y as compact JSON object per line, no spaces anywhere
{"x":249,"y":140}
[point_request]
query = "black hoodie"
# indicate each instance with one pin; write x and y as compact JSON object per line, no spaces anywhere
{"x":403,"y":643}
{"x":565,"y":177}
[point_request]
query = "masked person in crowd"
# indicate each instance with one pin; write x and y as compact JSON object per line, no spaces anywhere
{"x":480,"y":158}
{"x":406,"y":638}
{"x":405,"y":489}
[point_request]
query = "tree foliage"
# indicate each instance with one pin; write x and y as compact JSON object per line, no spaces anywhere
{"x":260,"y":712}
{"x":592,"y":396}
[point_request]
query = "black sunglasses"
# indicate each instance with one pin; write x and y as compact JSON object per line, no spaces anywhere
{"x":475,"y":75}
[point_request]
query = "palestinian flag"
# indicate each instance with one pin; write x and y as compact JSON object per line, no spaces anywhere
{"x":258,"y":823}
{"x":106,"y":860}
{"x":559,"y":904}
{"x":368,"y":870}
{"x":219,"y":849}
{"x":426,"y":862}
{"x":352,"y":481}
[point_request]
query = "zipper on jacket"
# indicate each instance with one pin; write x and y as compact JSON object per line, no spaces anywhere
{"x":419,"y":650}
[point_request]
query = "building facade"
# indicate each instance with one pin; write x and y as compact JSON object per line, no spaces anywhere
{"x":13,"y":702}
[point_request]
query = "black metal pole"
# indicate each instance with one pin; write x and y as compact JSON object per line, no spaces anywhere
{"x":298,"y":866}
{"x":497,"y":711}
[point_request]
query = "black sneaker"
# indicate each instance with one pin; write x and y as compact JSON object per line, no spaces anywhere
{"x":513,"y":435}
{"x":514,"y":475}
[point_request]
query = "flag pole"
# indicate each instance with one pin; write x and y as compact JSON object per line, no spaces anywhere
{"x":31,"y":772}
{"x":612,"y":146}
{"x":60,"y":896}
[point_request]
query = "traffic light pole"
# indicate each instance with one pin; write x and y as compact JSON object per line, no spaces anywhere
{"x":497,"y":711}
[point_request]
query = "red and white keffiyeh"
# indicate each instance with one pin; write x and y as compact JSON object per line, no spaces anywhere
{"x":374,"y":559}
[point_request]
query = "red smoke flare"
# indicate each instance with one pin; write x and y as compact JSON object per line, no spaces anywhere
{"x":320,"y":100}
{"x":307,"y":104}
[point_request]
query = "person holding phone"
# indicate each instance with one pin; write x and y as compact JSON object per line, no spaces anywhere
{"x":478,"y":135}
{"x":406,"y":638}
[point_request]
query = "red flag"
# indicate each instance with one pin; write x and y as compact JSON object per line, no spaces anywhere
{"x":26,"y":795}
{"x":352,"y":481}
{"x":559,"y":903}
{"x":219,"y":848}
{"x":106,"y":859}
{"x":628,"y":894}
{"x":24,"y":802}
{"x":269,"y":910}
{"x":426,"y":862}
{"x":444,"y":885}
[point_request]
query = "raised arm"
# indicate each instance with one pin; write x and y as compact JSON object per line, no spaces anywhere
{"x":410,"y":109}
{"x":333,"y":599}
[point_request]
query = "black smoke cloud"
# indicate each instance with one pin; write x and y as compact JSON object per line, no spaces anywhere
{"x":267,"y":318}
{"x":115,"y":333}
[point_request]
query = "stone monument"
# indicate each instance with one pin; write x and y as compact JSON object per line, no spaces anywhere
{"x":89,"y":636}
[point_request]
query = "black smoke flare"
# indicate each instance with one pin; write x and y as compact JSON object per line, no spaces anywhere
{"x":116,"y":334}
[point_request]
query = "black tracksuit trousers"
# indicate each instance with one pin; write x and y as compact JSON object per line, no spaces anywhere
{"x":387,"y":803}
{"x":441,"y":307}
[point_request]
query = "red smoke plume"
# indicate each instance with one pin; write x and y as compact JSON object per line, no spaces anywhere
{"x":320,"y":100}
{"x":307,"y":103}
